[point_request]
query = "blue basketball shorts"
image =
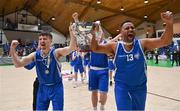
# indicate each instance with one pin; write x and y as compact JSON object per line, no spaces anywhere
{"x":78,"y":68}
{"x":98,"y":80}
{"x":47,"y":93}
{"x":130,"y":99}
{"x":86,"y":62}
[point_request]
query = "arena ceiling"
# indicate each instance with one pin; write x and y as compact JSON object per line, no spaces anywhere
{"x":108,"y":11}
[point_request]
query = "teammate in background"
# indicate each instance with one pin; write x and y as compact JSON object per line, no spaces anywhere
{"x":47,"y":68}
{"x":111,"y":69}
{"x":78,"y":66}
{"x":98,"y":75}
{"x":86,"y":59}
{"x":130,"y":76}
{"x":111,"y":58}
{"x":75,"y":18}
{"x":72,"y":62}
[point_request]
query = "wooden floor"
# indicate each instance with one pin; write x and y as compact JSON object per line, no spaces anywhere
{"x":16,"y":90}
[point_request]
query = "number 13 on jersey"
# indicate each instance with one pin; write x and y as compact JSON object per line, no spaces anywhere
{"x":130,"y":57}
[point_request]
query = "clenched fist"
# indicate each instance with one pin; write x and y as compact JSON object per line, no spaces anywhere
{"x":167,"y":17}
{"x":75,"y":16}
{"x":14,"y":43}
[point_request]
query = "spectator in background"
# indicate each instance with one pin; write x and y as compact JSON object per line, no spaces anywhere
{"x":6,"y":49}
{"x":156,"y":55}
{"x":175,"y":55}
{"x":9,"y":24}
{"x":178,"y":54}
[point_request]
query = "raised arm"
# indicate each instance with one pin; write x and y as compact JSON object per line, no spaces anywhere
{"x":19,"y":62}
{"x":67,"y":50}
{"x":108,"y":48}
{"x":75,"y":17}
{"x":165,"y":39}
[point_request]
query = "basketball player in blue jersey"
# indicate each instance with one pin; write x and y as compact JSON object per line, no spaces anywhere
{"x":86,"y":59}
{"x":48,"y":69}
{"x":98,"y":77}
{"x":78,"y":66}
{"x":72,"y":62}
{"x":130,"y":76}
{"x":111,"y":69}
{"x":110,"y":60}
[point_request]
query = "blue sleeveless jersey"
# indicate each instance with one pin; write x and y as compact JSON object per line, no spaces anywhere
{"x":98,"y":60}
{"x":30,"y":65}
{"x":78,"y":59}
{"x":130,"y":66}
{"x":54,"y":75}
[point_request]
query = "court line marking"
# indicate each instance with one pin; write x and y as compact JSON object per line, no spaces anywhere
{"x":166,"y":97}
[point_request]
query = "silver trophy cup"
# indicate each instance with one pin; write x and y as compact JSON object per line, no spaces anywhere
{"x":83,"y":34}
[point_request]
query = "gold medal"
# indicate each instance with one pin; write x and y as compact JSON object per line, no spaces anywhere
{"x":46,"y":71}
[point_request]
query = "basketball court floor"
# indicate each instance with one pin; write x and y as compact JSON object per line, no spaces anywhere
{"x":16,"y":86}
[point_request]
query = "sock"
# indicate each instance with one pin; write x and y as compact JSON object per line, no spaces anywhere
{"x":75,"y":84}
{"x":102,"y":108}
{"x":82,"y":80}
{"x":95,"y":108}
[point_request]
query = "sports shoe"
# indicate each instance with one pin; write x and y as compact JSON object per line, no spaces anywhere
{"x":75,"y":85}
